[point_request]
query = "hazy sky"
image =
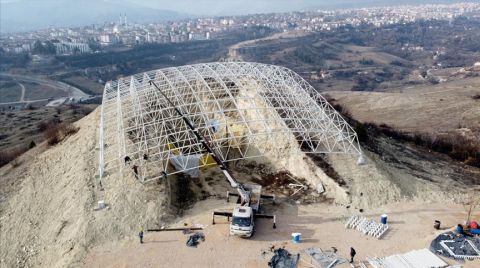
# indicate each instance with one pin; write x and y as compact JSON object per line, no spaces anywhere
{"x":215,"y":7}
{"x":235,"y":7}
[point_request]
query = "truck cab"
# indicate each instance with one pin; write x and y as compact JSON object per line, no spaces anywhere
{"x":243,"y":215}
{"x":243,"y":222}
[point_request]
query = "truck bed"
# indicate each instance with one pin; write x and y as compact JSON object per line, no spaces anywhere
{"x":255,"y":193}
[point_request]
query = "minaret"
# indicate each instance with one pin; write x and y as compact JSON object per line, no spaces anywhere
{"x":125,"y":17}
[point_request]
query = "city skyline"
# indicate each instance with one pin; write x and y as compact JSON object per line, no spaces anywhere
{"x":26,"y":15}
{"x":122,"y":32}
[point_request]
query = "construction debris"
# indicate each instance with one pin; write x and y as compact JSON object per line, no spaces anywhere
{"x":283,"y":259}
{"x":185,"y":230}
{"x":366,"y":226}
{"x":101,"y":205}
{"x":324,"y":259}
{"x":422,"y":258}
{"x":456,"y":246}
{"x":320,"y":188}
{"x":193,"y":240}
{"x":297,"y":186}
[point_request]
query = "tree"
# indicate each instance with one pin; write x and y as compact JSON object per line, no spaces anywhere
{"x":32,"y":144}
{"x":49,"y":48}
{"x":361,"y":131}
{"x":471,"y":202}
{"x":38,"y":47}
{"x":364,"y":61}
{"x":94,"y":46}
{"x":21,"y":60}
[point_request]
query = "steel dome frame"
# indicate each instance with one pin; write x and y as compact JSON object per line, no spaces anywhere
{"x":237,"y":106}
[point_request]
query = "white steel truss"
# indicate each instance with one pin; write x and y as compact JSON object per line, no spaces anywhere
{"x":237,"y":106}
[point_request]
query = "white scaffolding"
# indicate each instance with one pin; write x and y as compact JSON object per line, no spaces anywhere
{"x":235,"y":105}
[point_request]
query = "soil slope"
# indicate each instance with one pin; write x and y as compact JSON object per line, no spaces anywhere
{"x":48,"y":217}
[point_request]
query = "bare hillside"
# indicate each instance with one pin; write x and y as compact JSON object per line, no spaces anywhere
{"x":48,"y":217}
{"x":426,"y":108}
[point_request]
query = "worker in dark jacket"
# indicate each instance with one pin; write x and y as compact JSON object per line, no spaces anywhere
{"x":135,"y":171}
{"x":352,"y":254}
{"x":140,"y":235}
{"x":460,"y":229}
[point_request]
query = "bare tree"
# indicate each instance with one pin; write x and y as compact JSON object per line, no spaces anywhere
{"x":471,"y":203}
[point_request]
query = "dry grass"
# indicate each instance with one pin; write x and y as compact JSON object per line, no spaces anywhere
{"x":44,"y":125}
{"x":9,"y":92}
{"x":420,"y":108}
{"x":85,"y":83}
{"x":57,"y":133}
{"x":10,"y":156}
{"x":455,"y":145}
{"x":22,"y":126}
{"x":80,"y":109}
{"x":36,"y":91}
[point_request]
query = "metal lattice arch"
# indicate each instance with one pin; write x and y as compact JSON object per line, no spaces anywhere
{"x":243,"y":109}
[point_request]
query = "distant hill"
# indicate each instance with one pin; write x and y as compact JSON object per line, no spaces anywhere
{"x":25,"y":15}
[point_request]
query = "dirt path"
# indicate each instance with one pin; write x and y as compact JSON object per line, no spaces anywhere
{"x":22,"y":97}
{"x":233,"y":54}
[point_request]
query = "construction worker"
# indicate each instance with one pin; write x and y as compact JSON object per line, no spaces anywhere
{"x":460,"y":229}
{"x":135,"y":171}
{"x":127,"y":160}
{"x":140,"y":235}
{"x":352,"y":254}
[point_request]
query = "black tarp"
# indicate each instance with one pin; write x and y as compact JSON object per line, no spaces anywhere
{"x":194,"y":239}
{"x":283,"y":259}
{"x":457,"y":243}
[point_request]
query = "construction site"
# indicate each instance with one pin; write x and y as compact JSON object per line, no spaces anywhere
{"x":233,"y":164}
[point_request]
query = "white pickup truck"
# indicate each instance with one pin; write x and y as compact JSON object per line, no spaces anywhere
{"x":243,"y":217}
